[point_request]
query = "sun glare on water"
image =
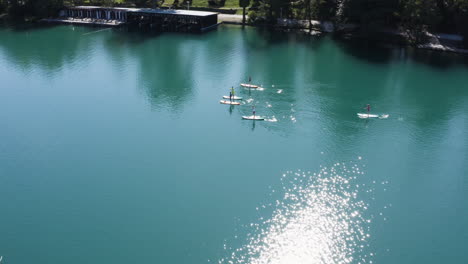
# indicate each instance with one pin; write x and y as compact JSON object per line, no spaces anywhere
{"x":320,"y":219}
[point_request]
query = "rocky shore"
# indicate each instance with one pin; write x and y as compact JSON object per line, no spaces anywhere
{"x":438,"y":42}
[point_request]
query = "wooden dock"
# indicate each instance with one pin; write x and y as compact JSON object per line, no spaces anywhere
{"x":85,"y":21}
{"x":153,"y":19}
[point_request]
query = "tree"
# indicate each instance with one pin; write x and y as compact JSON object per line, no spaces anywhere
{"x":324,"y":9}
{"x":308,"y":12}
{"x":145,"y":3}
{"x":417,"y":16}
{"x":458,"y":12}
{"x":2,"y":6}
{"x":244,"y":4}
{"x":39,"y":8}
{"x":371,"y":14}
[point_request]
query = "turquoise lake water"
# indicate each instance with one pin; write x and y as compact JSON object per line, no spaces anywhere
{"x":115,"y":149}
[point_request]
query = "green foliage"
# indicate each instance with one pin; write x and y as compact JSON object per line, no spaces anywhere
{"x":420,"y":12}
{"x":324,"y":9}
{"x":255,"y":18}
{"x":417,"y":16}
{"x":372,"y":13}
{"x":216,"y":3}
{"x":39,"y":8}
{"x":270,"y":10}
{"x":138,"y":3}
{"x":456,"y":17}
{"x":2,"y":6}
{"x":244,"y":3}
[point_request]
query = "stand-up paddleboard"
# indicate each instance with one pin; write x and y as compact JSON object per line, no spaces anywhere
{"x":258,"y":118}
{"x":363,"y":116}
{"x":229,"y":102}
{"x":248,"y":85}
{"x":233,"y":98}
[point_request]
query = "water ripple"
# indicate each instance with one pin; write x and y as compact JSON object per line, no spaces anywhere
{"x":320,"y":219}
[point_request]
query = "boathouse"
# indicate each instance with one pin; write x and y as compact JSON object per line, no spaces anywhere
{"x":155,"y":19}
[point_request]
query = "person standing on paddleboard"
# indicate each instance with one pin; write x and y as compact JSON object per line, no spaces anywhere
{"x":253,"y":111}
{"x":232,"y":94}
{"x":368,"y":109}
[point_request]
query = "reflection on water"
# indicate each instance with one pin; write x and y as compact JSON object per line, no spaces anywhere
{"x":76,"y":97}
{"x":301,"y":75}
{"x":33,"y":47}
{"x":320,"y":219}
{"x":164,"y":66}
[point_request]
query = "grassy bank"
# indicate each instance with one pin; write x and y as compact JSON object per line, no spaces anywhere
{"x":233,"y":4}
{"x":228,"y":4}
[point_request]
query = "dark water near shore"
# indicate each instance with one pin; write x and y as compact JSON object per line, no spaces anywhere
{"x":114,"y":149}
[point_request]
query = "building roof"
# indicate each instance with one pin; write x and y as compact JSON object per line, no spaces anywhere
{"x":154,"y":11}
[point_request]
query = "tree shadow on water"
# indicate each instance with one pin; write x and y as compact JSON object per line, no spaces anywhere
{"x":381,"y":52}
{"x":366,"y":50}
{"x":48,"y":50}
{"x":131,"y":35}
{"x":164,"y":68}
{"x":22,"y":26}
{"x":259,"y":38}
{"x":438,"y":59}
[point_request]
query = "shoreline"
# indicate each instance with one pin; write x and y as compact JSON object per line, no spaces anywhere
{"x":319,"y":27}
{"x":435,"y":42}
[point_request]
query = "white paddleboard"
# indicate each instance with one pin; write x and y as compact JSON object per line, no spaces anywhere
{"x":234,"y":98}
{"x":229,"y":102}
{"x":248,"y":85}
{"x":363,"y":115}
{"x":258,"y":118}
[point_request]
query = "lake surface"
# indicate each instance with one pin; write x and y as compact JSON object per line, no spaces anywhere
{"x":115,"y":149}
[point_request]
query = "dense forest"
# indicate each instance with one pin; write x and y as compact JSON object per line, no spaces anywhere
{"x":449,"y":16}
{"x":43,"y":8}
